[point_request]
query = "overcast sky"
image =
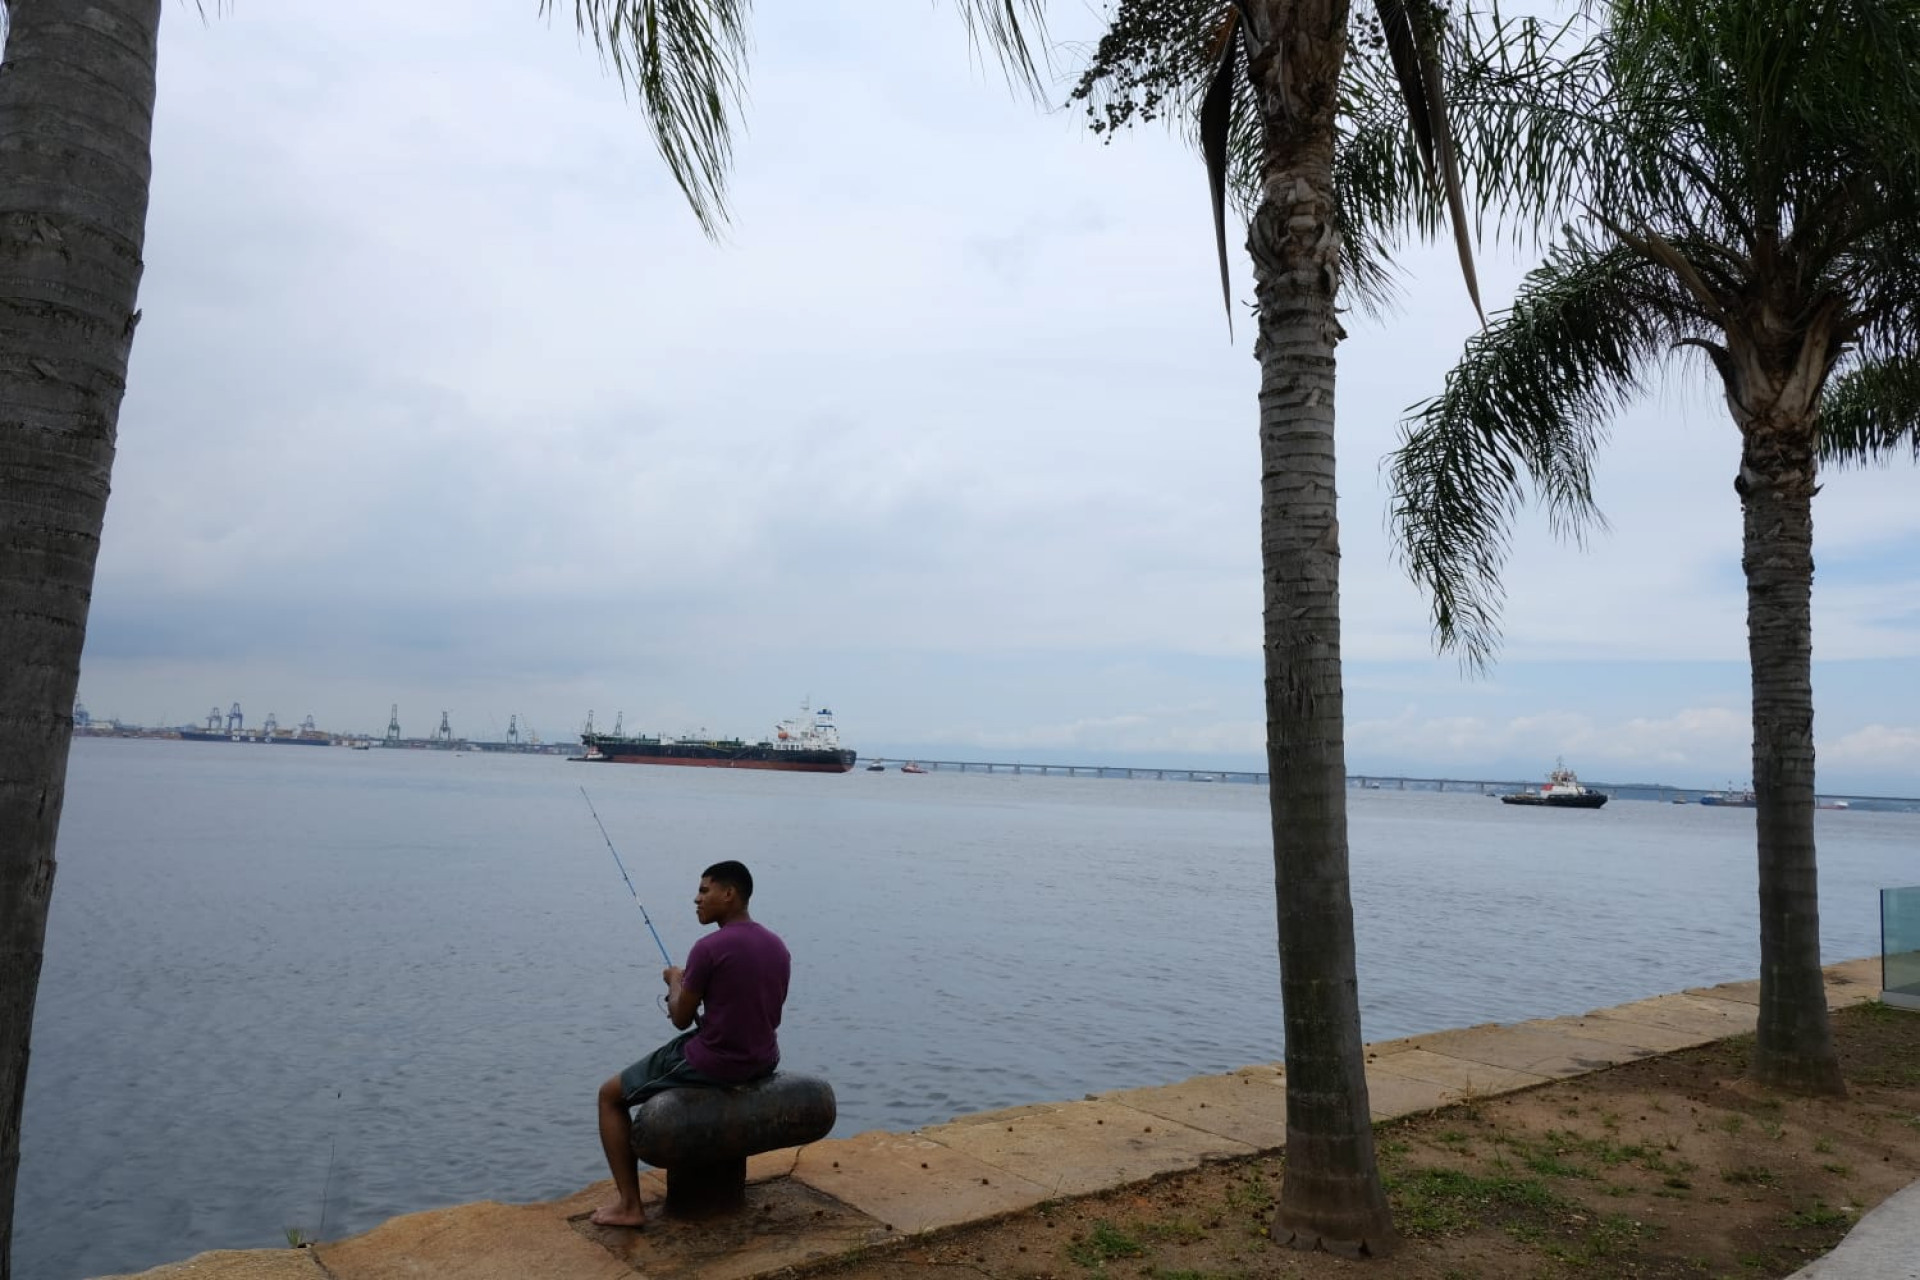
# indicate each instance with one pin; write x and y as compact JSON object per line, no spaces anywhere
{"x":441,"y":399}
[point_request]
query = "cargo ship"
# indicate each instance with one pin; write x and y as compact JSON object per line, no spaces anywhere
{"x":808,"y":743}
{"x":232,"y":728}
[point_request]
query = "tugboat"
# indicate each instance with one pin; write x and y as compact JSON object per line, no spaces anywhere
{"x":911,"y":767}
{"x":1731,"y":798}
{"x":1561,"y":791}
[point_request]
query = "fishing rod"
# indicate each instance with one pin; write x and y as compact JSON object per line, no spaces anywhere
{"x":624,"y":876}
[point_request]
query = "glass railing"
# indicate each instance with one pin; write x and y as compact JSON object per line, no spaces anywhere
{"x":1900,"y":946}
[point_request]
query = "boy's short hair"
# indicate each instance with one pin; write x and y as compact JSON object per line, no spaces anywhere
{"x":734,"y":875}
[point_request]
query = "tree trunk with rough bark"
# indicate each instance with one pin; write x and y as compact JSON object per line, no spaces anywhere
{"x":76,"y":121}
{"x":1793,"y":1046}
{"x":1331,"y":1197}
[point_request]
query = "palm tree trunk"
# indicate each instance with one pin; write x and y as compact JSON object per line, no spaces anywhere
{"x":1331,"y":1197}
{"x":1794,"y":1044}
{"x":76,"y":119}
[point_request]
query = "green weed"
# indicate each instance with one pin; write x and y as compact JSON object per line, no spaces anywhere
{"x":1752,"y":1175}
{"x":1103,"y":1244}
{"x":1818,"y":1214}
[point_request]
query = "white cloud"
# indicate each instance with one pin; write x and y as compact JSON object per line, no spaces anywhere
{"x":441,"y":397}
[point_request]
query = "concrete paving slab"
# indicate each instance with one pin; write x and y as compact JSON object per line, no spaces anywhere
{"x":1086,"y":1146}
{"x":1247,"y":1106}
{"x":769,"y":1165}
{"x":1747,"y":992}
{"x":1853,"y":982}
{"x":1455,"y":1075}
{"x":485,"y":1241}
{"x":1536,"y":1050}
{"x":785,"y":1224}
{"x":1385,"y":1048}
{"x":1391,"y":1096}
{"x":238,"y":1264}
{"x":1642,"y":1038}
{"x":912,"y":1183}
{"x":1708,"y":1018}
{"x":1008,"y":1113}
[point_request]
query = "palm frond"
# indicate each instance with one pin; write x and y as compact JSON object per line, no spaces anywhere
{"x":687,"y":60}
{"x":1414,"y":31}
{"x":1871,"y":413}
{"x":1216,"y":132}
{"x":1011,"y":30}
{"x":1526,"y":406}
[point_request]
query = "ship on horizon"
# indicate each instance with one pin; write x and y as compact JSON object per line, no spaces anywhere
{"x":232,"y":728}
{"x":808,"y":743}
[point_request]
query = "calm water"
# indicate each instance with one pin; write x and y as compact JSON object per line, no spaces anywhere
{"x":317,"y":988}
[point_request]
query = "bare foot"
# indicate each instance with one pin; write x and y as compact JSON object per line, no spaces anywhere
{"x":619,"y":1215}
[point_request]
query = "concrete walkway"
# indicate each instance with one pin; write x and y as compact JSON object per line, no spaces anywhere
{"x":808,"y":1204}
{"x":1884,"y":1245}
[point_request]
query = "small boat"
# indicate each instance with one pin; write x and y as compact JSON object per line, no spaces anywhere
{"x":876,"y":767}
{"x":911,"y":767}
{"x":1833,"y":804}
{"x":1561,"y":791}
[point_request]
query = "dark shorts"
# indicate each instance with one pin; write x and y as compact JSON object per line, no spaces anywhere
{"x":665,"y":1068}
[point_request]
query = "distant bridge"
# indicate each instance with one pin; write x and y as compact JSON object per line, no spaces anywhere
{"x":1355,"y":781}
{"x":1161,"y":773}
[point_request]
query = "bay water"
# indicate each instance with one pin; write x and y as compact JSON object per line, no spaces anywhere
{"x":314,"y":988}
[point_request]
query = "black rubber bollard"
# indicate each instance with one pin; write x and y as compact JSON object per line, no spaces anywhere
{"x":702,"y":1137}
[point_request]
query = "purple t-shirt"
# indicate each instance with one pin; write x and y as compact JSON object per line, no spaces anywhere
{"x":740,"y":972}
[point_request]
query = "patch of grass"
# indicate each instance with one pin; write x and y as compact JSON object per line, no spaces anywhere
{"x":1548,"y":1164}
{"x":1750,"y":1175}
{"x":1771,"y":1127}
{"x":1439,"y":1202}
{"x":1607,"y":1238}
{"x":1163,"y":1273}
{"x":296,"y":1238}
{"x":1877,"y":1011}
{"x":1823,"y":1145}
{"x":1252,"y":1194}
{"x":1103,"y":1244}
{"x":1818,"y":1214}
{"x":1178,"y":1230}
{"x":1733,"y":1123}
{"x":1839,"y":1170}
{"x":1890,"y":1075}
{"x":1605,"y":1150}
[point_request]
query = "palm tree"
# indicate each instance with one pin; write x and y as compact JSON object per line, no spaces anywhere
{"x":1744,"y":177}
{"x":76,"y":117}
{"x":1276,"y":94}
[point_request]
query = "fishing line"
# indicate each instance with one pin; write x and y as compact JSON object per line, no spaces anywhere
{"x":333,"y":1139}
{"x":624,"y":876}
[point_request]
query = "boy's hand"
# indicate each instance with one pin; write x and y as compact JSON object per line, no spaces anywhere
{"x":671,"y":976}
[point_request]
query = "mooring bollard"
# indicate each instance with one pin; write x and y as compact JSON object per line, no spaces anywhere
{"x":703,"y":1136}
